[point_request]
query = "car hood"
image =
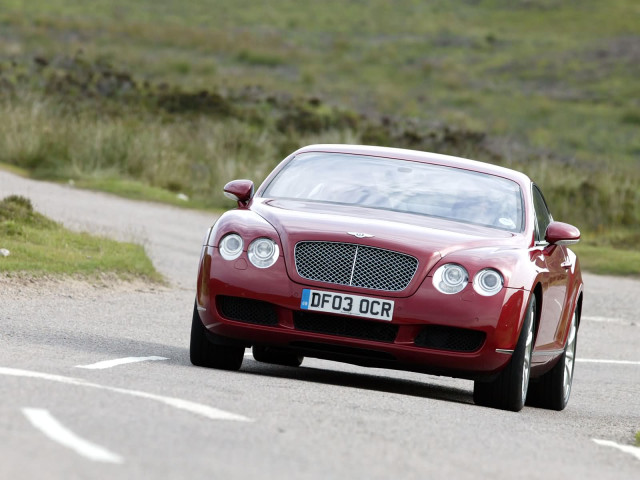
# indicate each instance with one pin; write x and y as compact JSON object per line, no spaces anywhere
{"x":428,"y":239}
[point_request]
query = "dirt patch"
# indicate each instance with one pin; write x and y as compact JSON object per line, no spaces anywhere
{"x":28,"y":285}
{"x":623,"y":50}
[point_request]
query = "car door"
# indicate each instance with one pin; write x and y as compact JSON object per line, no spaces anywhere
{"x":551,"y":261}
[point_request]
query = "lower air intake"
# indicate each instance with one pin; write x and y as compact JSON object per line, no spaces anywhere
{"x":247,"y":311}
{"x":439,"y":337}
{"x":345,"y":327}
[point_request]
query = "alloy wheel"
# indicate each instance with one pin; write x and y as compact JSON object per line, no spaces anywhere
{"x":569,"y":359}
{"x":526,"y":367}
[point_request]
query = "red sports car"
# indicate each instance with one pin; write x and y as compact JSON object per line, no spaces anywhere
{"x":398,"y":259}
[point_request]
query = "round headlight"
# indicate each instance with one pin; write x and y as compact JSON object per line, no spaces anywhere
{"x":488,"y":282}
{"x":231,"y":246}
{"x":450,"y":278}
{"x":263,"y":252}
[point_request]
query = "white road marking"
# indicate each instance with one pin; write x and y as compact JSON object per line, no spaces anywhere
{"x":635,"y":451}
{"x":193,"y":407}
{"x":47,"y":424}
{"x":119,"y":361}
{"x":612,"y":362}
{"x":620,"y":321}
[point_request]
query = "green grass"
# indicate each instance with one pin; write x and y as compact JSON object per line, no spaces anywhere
{"x":638,"y":439}
{"x":608,"y":260}
{"x":132,"y":189}
{"x":613,"y":253}
{"x":21,"y":172}
{"x":40,"y":246}
{"x":556,"y":75}
{"x":136,"y":190}
{"x":155,"y":99}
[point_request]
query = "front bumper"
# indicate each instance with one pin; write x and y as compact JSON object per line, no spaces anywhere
{"x":463,"y":335}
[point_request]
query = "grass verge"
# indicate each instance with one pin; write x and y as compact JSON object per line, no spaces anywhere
{"x":139,"y":191}
{"x":610,"y":252}
{"x":131,"y":189}
{"x":38,"y":245}
{"x":604,"y":260}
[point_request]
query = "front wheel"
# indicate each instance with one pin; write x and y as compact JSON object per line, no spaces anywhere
{"x":508,"y":391}
{"x":553,"y":389}
{"x":204,"y":353}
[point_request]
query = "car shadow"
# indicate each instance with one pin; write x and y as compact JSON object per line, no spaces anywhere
{"x":361,"y":381}
{"x":104,"y":347}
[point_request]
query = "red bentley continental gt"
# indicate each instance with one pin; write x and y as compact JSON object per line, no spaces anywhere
{"x":398,"y":259}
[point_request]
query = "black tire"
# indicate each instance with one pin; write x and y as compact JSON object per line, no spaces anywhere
{"x":274,"y":355}
{"x":553,"y":389}
{"x":204,"y":353}
{"x":508,"y":391}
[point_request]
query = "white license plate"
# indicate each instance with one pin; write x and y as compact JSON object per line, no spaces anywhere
{"x":345,"y":304}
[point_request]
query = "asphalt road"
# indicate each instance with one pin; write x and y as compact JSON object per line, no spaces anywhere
{"x":164,"y":418}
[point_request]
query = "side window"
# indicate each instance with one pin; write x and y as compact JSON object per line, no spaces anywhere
{"x":543,"y":217}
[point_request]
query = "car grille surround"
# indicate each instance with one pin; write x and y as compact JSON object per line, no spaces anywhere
{"x":354,"y":265}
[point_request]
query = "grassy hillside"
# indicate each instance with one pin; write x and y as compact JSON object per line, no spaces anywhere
{"x":560,"y":75}
{"x":38,"y":245}
{"x":180,"y":97}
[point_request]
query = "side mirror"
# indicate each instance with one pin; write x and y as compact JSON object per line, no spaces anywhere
{"x":239,"y":190}
{"x":559,"y":233}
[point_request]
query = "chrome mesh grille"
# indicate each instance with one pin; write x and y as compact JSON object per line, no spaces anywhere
{"x":355,"y":265}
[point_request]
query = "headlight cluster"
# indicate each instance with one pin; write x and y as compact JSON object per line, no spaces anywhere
{"x":231,"y":246}
{"x":452,"y":278}
{"x":487,"y":282}
{"x":262,"y":252}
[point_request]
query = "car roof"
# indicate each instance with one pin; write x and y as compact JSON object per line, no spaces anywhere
{"x":418,"y":156}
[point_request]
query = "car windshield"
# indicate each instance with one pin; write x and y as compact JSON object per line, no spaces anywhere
{"x":402,"y":186}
